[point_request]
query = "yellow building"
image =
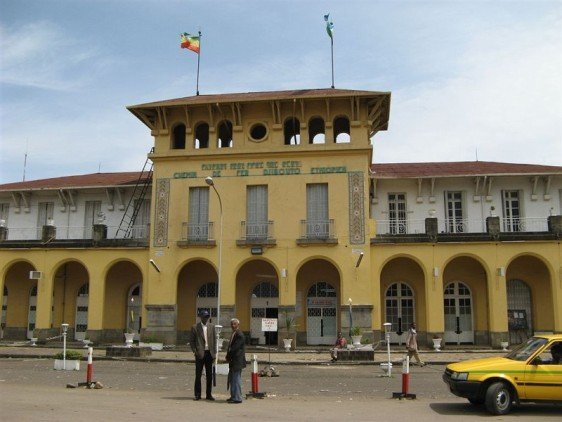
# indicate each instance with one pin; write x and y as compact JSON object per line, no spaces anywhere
{"x":269,"y":200}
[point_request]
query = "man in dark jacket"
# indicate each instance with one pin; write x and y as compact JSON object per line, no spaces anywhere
{"x":202,"y":344}
{"x":236,"y":358}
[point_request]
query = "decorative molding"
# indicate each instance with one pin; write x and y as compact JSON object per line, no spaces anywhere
{"x":161,"y":213}
{"x":356,"y":208}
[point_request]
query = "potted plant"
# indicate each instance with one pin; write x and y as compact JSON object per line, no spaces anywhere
{"x":437,"y":342}
{"x":504,"y":344}
{"x":290,"y":325}
{"x":130,"y":333}
{"x":356,"y":335}
{"x":70,"y":363}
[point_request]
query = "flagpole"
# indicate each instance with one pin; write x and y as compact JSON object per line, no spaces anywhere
{"x":198,"y":61}
{"x":332,"y":45}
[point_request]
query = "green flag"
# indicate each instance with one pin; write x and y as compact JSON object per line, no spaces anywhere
{"x":329,"y":26}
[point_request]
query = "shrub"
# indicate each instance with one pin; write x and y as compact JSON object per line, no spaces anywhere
{"x":355,"y":331}
{"x":70,"y":355}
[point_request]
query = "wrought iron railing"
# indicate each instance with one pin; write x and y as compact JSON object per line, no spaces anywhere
{"x":260,"y":231}
{"x":317,"y":229}
{"x":197,"y":232}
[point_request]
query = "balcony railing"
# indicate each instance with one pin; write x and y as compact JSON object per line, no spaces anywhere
{"x":256,"y":232}
{"x":417,"y":226}
{"x":74,"y":232}
{"x":317,"y":229}
{"x":197,"y":232}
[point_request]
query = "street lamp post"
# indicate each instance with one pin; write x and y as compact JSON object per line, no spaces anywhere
{"x":387,"y":326}
{"x":218,"y":328}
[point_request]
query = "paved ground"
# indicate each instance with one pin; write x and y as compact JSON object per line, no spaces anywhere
{"x":30,"y":390}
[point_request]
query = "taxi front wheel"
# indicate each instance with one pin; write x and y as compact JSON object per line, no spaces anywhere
{"x":499,"y":398}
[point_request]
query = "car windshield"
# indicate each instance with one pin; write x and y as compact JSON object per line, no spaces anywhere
{"x":523,"y":351}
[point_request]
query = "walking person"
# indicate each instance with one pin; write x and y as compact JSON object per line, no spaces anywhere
{"x":236,"y":358}
{"x":412,"y":344}
{"x":202,"y":344}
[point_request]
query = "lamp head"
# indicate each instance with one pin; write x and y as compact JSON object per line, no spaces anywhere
{"x":209,"y":181}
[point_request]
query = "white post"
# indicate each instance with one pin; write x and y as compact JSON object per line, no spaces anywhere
{"x":64,"y":328}
{"x":387,"y":326}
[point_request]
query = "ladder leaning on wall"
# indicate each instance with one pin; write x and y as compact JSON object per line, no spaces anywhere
{"x":135,"y":201}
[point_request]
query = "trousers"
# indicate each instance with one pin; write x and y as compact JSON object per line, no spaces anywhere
{"x":236,"y":386}
{"x":207,"y":362}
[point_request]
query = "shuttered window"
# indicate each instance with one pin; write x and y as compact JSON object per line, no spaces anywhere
{"x":256,"y":212}
{"x":198,"y":219}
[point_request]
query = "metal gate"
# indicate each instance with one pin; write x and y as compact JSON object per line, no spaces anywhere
{"x":206,"y":300}
{"x":458,"y":313}
{"x":264,"y":304}
{"x":519,"y":311}
{"x":321,"y":321}
{"x":31,"y":312}
{"x":81,"y":320}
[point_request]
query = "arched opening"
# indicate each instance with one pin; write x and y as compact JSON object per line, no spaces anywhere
{"x":474,"y":292}
{"x":532,"y":299}
{"x":399,"y":310}
{"x":317,"y":305}
{"x":15,"y":307}
{"x":292,"y":130}
{"x":403,"y":298}
{"x":224,"y":139}
{"x":201,"y":136}
{"x":178,"y":137}
{"x":458,"y":314}
{"x":70,"y":277}
{"x":316,"y":131}
{"x":81,"y":319}
{"x":342,"y":132}
{"x":123,"y":294}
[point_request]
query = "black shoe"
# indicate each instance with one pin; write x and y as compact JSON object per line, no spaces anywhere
{"x":235,"y":402}
{"x":229,"y":400}
{"x":210,"y":398}
{"x":197,"y":398}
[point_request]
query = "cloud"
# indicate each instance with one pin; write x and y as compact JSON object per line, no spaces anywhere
{"x":41,"y":55}
{"x":505,"y":98}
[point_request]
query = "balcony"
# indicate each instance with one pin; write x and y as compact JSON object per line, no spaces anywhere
{"x":197,"y":234}
{"x":256,"y":233}
{"x":419,"y":230}
{"x":72,"y":236}
{"x":317,"y":232}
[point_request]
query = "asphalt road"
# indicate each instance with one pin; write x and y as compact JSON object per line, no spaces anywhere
{"x":30,"y":390}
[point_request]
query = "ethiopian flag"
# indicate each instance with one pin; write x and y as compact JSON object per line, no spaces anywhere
{"x":191,"y":42}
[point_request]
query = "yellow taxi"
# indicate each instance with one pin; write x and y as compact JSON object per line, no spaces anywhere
{"x":530,"y":373}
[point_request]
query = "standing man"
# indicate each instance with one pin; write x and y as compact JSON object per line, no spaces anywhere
{"x":236,"y":358}
{"x":202,"y":344}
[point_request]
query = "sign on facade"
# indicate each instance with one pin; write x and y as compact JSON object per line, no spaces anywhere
{"x":269,"y":324}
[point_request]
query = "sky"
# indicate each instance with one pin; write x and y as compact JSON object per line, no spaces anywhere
{"x":469,"y":79}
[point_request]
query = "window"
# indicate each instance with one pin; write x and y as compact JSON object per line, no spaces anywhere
{"x":317,"y":217}
{"x":342,"y":133}
{"x":4,"y":212}
{"x":142,"y":219}
{"x":397,"y":213}
{"x":292,"y":130}
{"x":201,"y":136}
{"x":511,"y":211}
{"x":316,"y":131}
{"x":178,"y":141}
{"x":44,"y":215}
{"x":198,"y":219}
{"x":93,"y":208}
{"x":225,"y":134}
{"x":256,"y":213}
{"x":454,"y":212}
{"x":258,"y":132}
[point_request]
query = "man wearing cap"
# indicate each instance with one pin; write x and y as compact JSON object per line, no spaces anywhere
{"x":202,"y":344}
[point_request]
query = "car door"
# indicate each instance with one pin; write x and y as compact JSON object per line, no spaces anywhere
{"x":543,"y":376}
